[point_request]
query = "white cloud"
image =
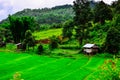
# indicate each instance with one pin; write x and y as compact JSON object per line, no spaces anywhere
{"x":2,"y":12}
{"x":38,"y":3}
{"x":106,"y":1}
{"x":5,"y":8}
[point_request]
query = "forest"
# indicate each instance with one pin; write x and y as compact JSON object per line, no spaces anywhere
{"x":53,"y":41}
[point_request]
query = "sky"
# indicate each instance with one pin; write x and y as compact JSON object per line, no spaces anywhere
{"x":12,"y":6}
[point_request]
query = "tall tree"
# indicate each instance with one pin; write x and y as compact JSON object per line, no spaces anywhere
{"x":29,"y":40}
{"x":116,"y":6}
{"x":102,"y":12}
{"x":19,"y":26}
{"x":68,"y":28}
{"x":113,"y":40}
{"x":16,"y":27}
{"x":82,"y":17}
{"x":116,"y":21}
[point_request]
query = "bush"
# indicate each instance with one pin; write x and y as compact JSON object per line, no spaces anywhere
{"x":40,"y":49}
{"x":54,"y":43}
{"x":112,"y":40}
{"x":17,"y":76}
{"x":110,"y":70}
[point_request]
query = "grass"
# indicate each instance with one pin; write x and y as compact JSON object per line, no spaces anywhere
{"x":63,"y":63}
{"x":34,"y":67}
{"x":47,"y":34}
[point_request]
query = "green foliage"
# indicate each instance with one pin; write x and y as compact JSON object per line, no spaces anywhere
{"x":2,"y":32}
{"x":18,"y":27}
{"x":109,"y":70}
{"x":44,"y":27}
{"x":82,"y":12}
{"x":116,"y":5}
{"x":54,"y":42}
{"x":29,"y":40}
{"x":58,"y":25}
{"x":17,"y":76}
{"x":102,"y":12}
{"x":116,"y":21}
{"x":68,"y":29}
{"x":5,"y":25}
{"x":8,"y":36}
{"x":82,"y":17}
{"x":40,"y":49}
{"x":5,"y":35}
{"x":112,"y":42}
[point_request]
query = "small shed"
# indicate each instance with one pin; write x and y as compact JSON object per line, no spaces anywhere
{"x":19,"y":46}
{"x":90,"y":48}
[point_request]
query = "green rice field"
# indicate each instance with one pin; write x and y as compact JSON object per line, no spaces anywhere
{"x":47,"y":33}
{"x":35,"y":67}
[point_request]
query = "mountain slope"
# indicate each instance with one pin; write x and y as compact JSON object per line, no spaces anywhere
{"x":52,"y":15}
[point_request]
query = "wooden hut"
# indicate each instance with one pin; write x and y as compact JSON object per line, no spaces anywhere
{"x":90,"y":48}
{"x":19,"y":46}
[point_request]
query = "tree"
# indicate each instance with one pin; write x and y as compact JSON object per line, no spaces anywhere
{"x":53,"y":43}
{"x":67,"y":29}
{"x":18,"y":27}
{"x":102,"y":12}
{"x":8,"y":36}
{"x":116,"y":21}
{"x":116,"y":6}
{"x":29,"y":40}
{"x":2,"y":32}
{"x":113,"y":40}
{"x":40,"y":49}
{"x":82,"y":16}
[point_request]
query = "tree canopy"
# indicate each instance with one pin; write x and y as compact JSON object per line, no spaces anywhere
{"x":113,"y":40}
{"x":19,"y":25}
{"x":82,"y":16}
{"x":102,"y":12}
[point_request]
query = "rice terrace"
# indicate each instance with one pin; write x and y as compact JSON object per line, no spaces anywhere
{"x":79,"y":40}
{"x":35,"y":67}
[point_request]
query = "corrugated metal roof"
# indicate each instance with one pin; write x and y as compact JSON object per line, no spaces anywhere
{"x":18,"y":43}
{"x":88,"y":45}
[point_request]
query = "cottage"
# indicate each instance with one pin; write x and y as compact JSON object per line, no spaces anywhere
{"x":90,"y":48}
{"x":19,"y":46}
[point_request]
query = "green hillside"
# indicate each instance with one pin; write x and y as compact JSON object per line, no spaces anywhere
{"x":52,"y":15}
{"x":33,"y":67}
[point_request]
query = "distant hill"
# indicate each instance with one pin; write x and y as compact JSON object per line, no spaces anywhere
{"x":57,"y":14}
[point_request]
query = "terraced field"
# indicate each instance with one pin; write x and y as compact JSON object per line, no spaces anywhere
{"x":47,"y":33}
{"x":34,"y":67}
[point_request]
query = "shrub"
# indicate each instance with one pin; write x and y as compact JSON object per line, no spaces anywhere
{"x":29,"y":40}
{"x":17,"y":76}
{"x":54,"y":42}
{"x":110,"y":70}
{"x":112,"y":40}
{"x":67,"y":29}
{"x":40,"y":49}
